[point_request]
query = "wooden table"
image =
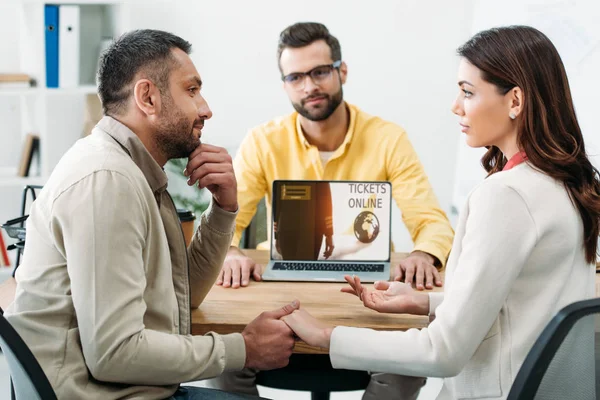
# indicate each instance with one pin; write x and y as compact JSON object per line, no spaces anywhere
{"x":230,"y":310}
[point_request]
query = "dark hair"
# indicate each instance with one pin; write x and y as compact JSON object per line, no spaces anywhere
{"x":547,"y":128}
{"x":140,"y":50}
{"x":304,"y":33}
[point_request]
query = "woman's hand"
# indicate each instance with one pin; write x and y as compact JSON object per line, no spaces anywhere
{"x":389,"y":297}
{"x":309,"y":329}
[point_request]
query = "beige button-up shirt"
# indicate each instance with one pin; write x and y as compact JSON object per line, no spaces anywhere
{"x":105,"y":288}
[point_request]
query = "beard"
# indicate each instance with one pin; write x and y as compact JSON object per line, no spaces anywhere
{"x":175,"y":133}
{"x":322,"y":112}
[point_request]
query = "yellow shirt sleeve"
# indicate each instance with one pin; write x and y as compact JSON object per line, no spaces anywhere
{"x":426,"y":222}
{"x":251,"y":184}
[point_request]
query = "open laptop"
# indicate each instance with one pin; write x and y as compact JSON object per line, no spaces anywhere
{"x":323,"y":230}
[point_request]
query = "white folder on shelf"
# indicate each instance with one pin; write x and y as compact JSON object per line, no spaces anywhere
{"x":68,"y":46}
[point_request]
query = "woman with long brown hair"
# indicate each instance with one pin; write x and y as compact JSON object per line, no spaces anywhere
{"x":525,"y":243}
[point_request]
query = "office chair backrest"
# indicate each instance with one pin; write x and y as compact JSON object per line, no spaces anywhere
{"x":28,"y":378}
{"x":562,"y":362}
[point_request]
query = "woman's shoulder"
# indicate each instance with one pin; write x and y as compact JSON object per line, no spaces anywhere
{"x":524,"y":179}
{"x":522,"y":189}
{"x":503,"y":190}
{"x":494,"y":190}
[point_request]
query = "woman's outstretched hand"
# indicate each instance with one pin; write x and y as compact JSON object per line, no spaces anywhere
{"x":389,"y":297}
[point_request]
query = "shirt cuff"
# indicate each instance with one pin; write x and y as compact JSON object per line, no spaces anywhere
{"x":218,"y":219}
{"x":235,"y":242}
{"x":235,"y":351}
{"x":434,"y":251}
{"x":337,"y":343}
{"x":435,"y":299}
{"x":344,"y":351}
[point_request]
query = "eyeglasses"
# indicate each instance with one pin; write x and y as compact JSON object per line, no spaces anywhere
{"x":318,"y":75}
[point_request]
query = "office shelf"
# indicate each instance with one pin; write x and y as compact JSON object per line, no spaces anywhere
{"x":58,"y":116}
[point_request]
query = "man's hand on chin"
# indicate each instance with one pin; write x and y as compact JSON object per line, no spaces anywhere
{"x":212,"y":168}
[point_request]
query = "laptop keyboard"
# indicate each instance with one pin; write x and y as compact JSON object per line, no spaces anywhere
{"x":325,"y":266}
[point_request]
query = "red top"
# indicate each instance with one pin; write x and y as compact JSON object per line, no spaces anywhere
{"x":515,"y":160}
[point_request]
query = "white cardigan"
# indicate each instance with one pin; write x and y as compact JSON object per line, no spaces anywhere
{"x":517,"y":259}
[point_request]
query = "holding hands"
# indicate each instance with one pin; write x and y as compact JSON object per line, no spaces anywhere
{"x":269,"y":341}
{"x":309,"y":329}
{"x":387,"y":297}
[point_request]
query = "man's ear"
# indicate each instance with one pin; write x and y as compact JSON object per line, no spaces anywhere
{"x":147,"y":97}
{"x":343,"y":72}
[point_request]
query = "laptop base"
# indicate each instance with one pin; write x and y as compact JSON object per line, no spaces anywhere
{"x":271,"y":274}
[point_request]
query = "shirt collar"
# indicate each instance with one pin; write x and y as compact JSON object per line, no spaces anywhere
{"x":515,"y":160}
{"x":154,"y":174}
{"x":349,"y":133}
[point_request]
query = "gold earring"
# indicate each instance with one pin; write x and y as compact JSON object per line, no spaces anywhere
{"x":512,"y":115}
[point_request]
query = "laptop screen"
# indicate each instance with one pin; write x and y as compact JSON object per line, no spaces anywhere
{"x":331,"y":220}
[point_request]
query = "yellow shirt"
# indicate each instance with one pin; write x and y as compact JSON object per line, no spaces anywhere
{"x":373,"y":150}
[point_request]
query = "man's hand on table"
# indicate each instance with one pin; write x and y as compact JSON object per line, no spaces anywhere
{"x":237,"y":269}
{"x":420,"y":266}
{"x":269,"y":341}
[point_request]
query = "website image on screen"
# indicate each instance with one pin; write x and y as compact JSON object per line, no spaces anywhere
{"x":321,"y":220}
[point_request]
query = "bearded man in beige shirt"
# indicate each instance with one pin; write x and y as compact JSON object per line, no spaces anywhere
{"x":106,"y":285}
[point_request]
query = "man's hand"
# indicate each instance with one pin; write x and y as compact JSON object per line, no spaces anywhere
{"x":269,"y":341}
{"x":420,"y":266}
{"x":237,"y":269}
{"x":212,"y":168}
{"x":328,"y":246}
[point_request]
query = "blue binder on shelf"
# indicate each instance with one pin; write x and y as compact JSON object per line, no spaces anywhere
{"x":51,"y":33}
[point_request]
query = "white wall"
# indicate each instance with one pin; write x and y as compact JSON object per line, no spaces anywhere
{"x":9,"y":112}
{"x":573,"y":28}
{"x":9,"y":19}
{"x":400,"y":55}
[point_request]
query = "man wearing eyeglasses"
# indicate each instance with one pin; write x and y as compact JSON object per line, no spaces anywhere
{"x":329,"y":139}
